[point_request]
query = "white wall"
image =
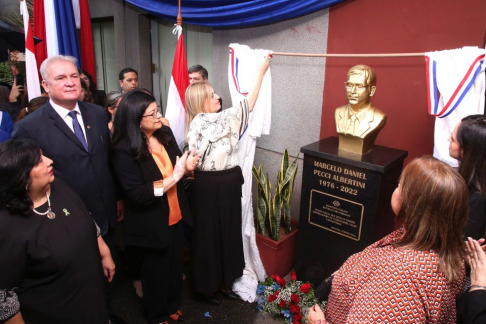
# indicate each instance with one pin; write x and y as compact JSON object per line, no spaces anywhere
{"x":297,"y":85}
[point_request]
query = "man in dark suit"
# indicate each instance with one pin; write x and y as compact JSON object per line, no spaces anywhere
{"x":75,"y":136}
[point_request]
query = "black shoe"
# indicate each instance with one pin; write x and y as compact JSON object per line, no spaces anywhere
{"x":212,"y":300}
{"x":230,"y":295}
{"x":115,"y":320}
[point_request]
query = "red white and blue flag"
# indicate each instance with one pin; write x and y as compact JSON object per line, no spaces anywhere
{"x":452,"y":99}
{"x":32,"y":76}
{"x":179,"y":81}
{"x":56,"y":23}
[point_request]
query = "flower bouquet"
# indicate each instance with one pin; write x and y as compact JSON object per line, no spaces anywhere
{"x":286,"y":300}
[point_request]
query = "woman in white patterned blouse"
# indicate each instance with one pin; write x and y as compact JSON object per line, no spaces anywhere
{"x":217,"y":246}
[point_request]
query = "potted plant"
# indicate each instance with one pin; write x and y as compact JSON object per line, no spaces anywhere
{"x":272,"y":211}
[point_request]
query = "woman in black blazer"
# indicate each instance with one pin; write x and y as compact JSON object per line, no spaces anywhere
{"x":148,"y":167}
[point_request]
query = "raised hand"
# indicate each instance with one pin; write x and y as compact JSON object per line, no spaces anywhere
{"x":180,"y":167}
{"x":477,"y":261}
{"x":16,"y":91}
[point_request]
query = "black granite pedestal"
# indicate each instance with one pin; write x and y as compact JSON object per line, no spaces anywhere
{"x":345,"y":204}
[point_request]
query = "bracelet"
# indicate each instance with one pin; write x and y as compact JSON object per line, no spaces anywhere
{"x":320,"y":321}
{"x":477,"y":287}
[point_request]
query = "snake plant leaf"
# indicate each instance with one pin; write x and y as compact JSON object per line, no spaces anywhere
{"x":256,"y":172}
{"x":286,"y":210}
{"x":264,"y":184}
{"x":268,"y":189}
{"x":291,"y":186}
{"x":284,"y":165}
{"x":271,"y":220}
{"x":261,"y":213}
{"x":291,"y":172}
{"x":277,"y":206}
{"x":262,"y":201}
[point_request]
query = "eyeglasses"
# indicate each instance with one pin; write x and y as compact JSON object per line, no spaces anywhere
{"x":358,"y":86}
{"x":154,"y":114}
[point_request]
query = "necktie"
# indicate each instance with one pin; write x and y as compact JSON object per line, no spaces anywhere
{"x":351,"y":124}
{"x":77,"y":129}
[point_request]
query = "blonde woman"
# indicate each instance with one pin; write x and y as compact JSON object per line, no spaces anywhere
{"x":217,"y":246}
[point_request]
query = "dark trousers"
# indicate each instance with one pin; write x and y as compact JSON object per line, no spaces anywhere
{"x":217,"y":244}
{"x":161,"y":275}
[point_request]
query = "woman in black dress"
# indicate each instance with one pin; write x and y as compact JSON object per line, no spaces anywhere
{"x":148,"y":167}
{"x":468,"y":146}
{"x":50,"y":264}
{"x":98,"y":95}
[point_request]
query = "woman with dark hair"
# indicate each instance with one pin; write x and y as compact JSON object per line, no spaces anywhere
{"x":98,"y":95}
{"x":85,"y":94}
{"x":147,"y":163}
{"x":468,"y":146}
{"x":110,"y":104}
{"x":51,"y":269}
{"x":416,"y":273}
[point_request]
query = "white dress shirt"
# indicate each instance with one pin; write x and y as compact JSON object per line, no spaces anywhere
{"x":63,"y":113}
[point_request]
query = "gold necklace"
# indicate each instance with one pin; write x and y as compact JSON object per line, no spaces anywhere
{"x":50,"y":214}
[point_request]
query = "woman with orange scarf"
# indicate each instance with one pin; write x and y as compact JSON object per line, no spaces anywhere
{"x":148,"y":167}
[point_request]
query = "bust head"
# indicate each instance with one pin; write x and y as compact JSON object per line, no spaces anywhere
{"x":356,"y":125}
{"x":360,"y":86}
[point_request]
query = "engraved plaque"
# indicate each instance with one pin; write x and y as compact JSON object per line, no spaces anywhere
{"x":336,"y":214}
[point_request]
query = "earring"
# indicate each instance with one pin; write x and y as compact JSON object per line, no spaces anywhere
{"x":26,"y":188}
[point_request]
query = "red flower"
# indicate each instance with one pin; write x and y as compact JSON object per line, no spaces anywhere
{"x":294,"y":299}
{"x":276,"y":293}
{"x":297,"y":318}
{"x":274,"y":277}
{"x":271,"y":298}
{"x":283,"y":303}
{"x":293,"y":276}
{"x":281,"y":282}
{"x":294,"y":309}
{"x":305,"y":288}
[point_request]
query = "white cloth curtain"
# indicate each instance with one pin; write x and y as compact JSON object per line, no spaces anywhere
{"x":241,"y":81}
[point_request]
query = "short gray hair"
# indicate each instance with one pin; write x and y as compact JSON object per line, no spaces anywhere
{"x":111,"y":98}
{"x":44,"y":68}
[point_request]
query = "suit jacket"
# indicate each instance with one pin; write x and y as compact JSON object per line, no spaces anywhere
{"x":99,"y":97}
{"x":146,"y":217}
{"x":374,"y":119}
{"x":88,"y":173}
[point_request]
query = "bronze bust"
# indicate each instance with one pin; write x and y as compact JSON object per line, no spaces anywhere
{"x":359,"y":122}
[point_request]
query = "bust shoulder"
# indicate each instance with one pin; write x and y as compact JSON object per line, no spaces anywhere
{"x":378,"y":113}
{"x":340,"y":111}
